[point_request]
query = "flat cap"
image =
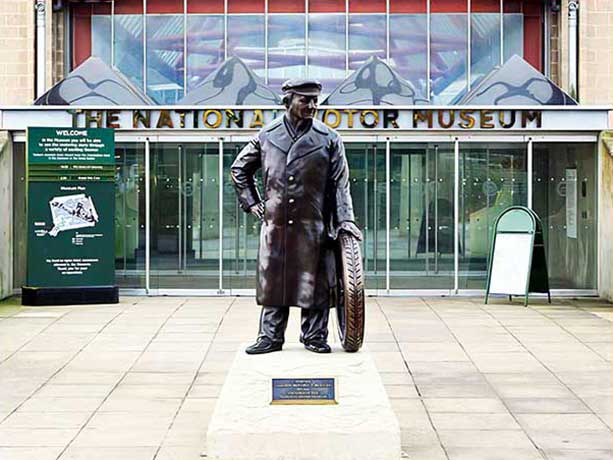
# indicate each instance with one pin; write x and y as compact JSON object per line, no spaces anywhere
{"x":302,"y":86}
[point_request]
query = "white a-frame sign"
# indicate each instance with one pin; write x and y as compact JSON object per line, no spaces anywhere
{"x":517,"y":257}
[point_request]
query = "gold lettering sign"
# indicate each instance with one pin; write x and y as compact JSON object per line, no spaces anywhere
{"x":375,"y":118}
{"x":182,"y":114}
{"x":445,"y":124}
{"x":422,"y":115}
{"x":468,"y":121}
{"x":93,"y":116}
{"x":350,"y":113}
{"x":502,"y":121}
{"x":386,"y":118}
{"x":530,"y":115}
{"x":217,"y":118}
{"x":139,"y":117}
{"x":234,"y":117}
{"x":485,"y":118}
{"x":165,"y":119}
{"x":112,"y":119}
{"x":258,"y":119}
{"x":337,"y":118}
{"x":390,"y":117}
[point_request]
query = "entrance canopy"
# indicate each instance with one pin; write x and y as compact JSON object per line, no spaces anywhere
{"x":94,"y":83}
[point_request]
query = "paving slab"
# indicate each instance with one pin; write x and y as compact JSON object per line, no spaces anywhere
{"x":467,"y":381}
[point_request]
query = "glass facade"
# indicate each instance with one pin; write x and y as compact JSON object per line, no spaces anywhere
{"x":168,"y":51}
{"x":565,"y":198}
{"x":199,"y":238}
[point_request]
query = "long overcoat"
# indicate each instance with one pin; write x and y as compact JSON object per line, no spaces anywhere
{"x":306,"y":196}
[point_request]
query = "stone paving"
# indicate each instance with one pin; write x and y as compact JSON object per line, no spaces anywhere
{"x":139,"y":380}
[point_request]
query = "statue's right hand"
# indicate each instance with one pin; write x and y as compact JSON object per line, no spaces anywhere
{"x":258,"y":210}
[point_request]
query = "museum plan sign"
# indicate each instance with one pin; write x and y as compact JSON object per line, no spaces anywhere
{"x":71,"y":210}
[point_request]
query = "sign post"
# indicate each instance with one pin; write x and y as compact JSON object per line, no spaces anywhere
{"x":71,"y":211}
{"x":517,"y":257}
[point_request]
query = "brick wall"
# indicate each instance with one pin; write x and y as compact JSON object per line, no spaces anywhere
{"x":16,"y":51}
{"x":596,"y":51}
{"x":58,"y":71}
{"x":595,"y":72}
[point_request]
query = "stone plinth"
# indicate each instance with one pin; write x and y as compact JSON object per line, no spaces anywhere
{"x":245,"y":426}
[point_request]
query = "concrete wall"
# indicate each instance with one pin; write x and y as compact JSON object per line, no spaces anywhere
{"x":6,"y":220}
{"x":605,"y":234}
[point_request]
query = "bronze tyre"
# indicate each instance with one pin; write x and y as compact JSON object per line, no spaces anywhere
{"x":350,"y":293}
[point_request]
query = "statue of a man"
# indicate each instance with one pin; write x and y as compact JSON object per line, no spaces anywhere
{"x":306,"y":202}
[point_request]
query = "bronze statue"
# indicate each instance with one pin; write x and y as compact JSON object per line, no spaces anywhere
{"x":306,"y":204}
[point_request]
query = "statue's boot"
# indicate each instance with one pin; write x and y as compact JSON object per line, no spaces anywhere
{"x":273,"y":322}
{"x":314,"y":327}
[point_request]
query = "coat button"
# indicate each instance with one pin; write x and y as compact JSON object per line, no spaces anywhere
{"x":291,"y":200}
{"x":291,"y":178}
{"x":291,"y":222}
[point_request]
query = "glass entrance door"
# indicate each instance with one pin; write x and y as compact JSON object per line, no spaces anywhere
{"x":421,"y":216}
{"x":241,"y":232}
{"x":184,"y":236}
{"x":367,"y":175}
{"x":492,"y":178}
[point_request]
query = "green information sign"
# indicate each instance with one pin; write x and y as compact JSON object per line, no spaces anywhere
{"x":71,"y":210}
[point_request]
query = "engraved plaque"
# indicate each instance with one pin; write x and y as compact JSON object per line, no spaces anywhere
{"x":304,"y":391}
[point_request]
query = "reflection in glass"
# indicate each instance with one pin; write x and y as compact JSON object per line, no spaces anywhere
{"x":485,"y":44}
{"x":513,"y":31}
{"x":421,"y":216}
{"x":286,"y":50}
{"x":492,"y":178}
{"x":101,"y":37}
{"x":205,"y":47}
{"x":185,"y":216}
{"x":448,"y":57}
{"x":165,"y":58}
{"x":367,"y":37}
{"x":367,"y":181}
{"x":408,"y":48}
{"x":129,"y":46}
{"x":130,"y":215}
{"x":241,"y":233}
{"x":569,"y":224}
{"x":327,"y":49}
{"x":246,"y":40}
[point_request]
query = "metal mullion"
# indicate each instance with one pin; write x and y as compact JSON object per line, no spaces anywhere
{"x":469,"y":46}
{"x":220,"y":219}
{"x":266,"y":41}
{"x":180,"y":204}
{"x":184,"y":47}
{"x":530,"y":170}
{"x":387,"y":215}
{"x":501,"y":32}
{"x":546,"y":45}
{"x":145,"y":46}
{"x":428,"y":50}
{"x":113,"y":33}
{"x":147,"y":217}
{"x":387,"y":31}
{"x":225,"y":29}
{"x":456,"y":215}
{"x":346,"y":38}
{"x":306,"y":38}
